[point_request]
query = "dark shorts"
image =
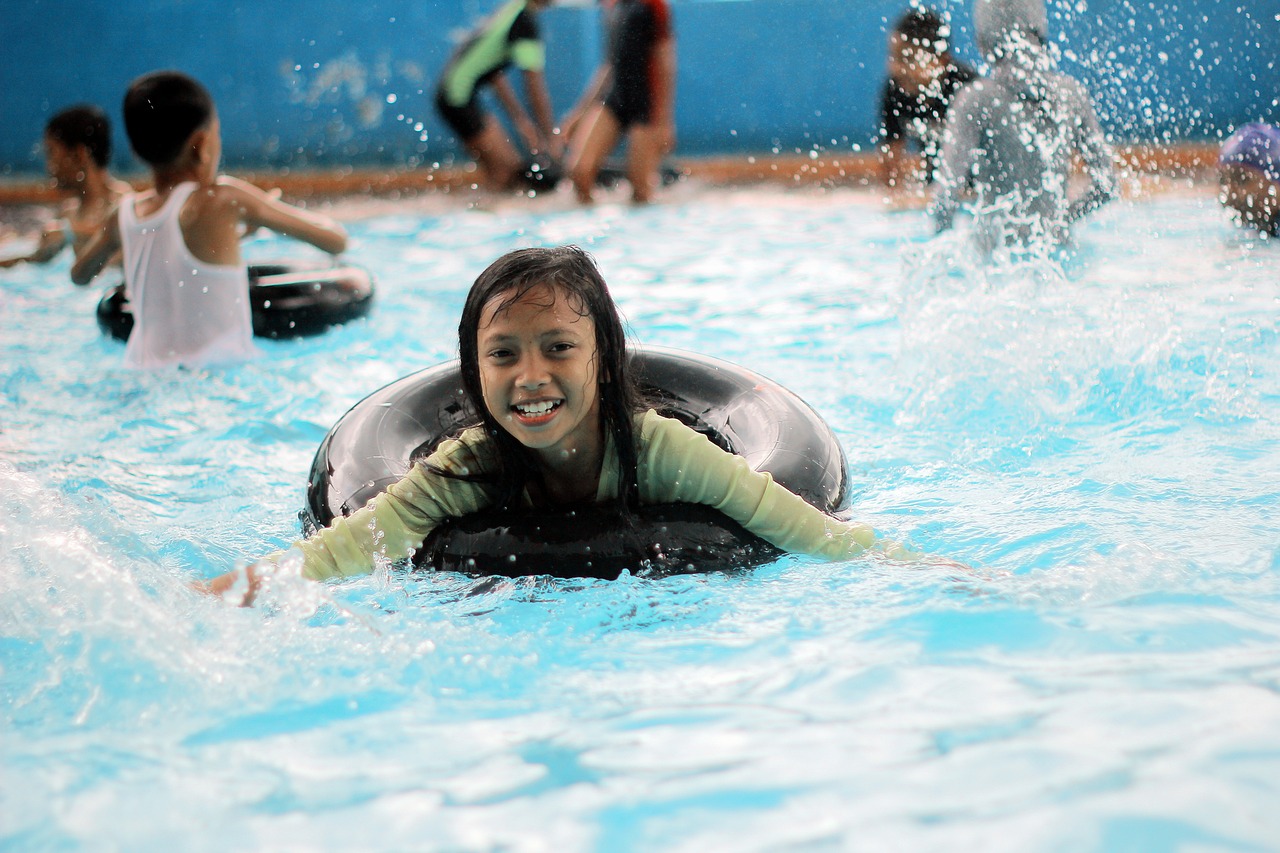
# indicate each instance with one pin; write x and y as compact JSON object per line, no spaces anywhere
{"x":467,"y":120}
{"x":629,"y":106}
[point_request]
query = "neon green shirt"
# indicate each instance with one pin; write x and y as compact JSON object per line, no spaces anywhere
{"x":509,"y":37}
{"x":675,"y":464}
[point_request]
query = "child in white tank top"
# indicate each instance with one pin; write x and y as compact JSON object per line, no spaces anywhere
{"x":185,"y":311}
{"x":187,"y":285}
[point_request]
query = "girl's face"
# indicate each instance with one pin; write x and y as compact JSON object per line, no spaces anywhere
{"x":539,"y":372}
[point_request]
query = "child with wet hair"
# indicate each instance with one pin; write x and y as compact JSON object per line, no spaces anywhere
{"x":184,"y":278}
{"x":560,"y":423}
{"x":1249,"y":177}
{"x":923,"y":79}
{"x":77,"y":148}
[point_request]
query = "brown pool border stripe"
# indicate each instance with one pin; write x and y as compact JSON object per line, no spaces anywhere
{"x":1194,"y":161}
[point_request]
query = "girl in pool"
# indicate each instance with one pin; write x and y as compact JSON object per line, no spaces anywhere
{"x":544,"y":364}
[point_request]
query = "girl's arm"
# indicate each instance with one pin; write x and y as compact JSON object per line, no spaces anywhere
{"x":680,"y":464}
{"x":99,"y":251}
{"x":260,"y":209}
{"x":392,"y":526}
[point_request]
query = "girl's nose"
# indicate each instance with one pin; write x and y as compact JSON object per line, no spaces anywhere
{"x":533,"y":373}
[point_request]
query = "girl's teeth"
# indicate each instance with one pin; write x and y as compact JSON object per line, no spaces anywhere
{"x":536,"y":408}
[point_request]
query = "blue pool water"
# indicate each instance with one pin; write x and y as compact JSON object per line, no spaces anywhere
{"x":1096,"y":438}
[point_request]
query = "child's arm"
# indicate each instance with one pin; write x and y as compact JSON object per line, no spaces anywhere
{"x":968,"y":112}
{"x":524,"y":125}
{"x":535,"y":89}
{"x":259,"y":209}
{"x":99,"y":251}
{"x":50,"y":243}
{"x":1098,"y":161}
{"x":592,"y":95}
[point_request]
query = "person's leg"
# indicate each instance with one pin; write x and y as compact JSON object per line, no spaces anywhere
{"x":496,"y":155}
{"x":600,"y":133}
{"x":646,"y":145}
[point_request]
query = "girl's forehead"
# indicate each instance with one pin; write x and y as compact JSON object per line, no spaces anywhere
{"x":534,"y":303}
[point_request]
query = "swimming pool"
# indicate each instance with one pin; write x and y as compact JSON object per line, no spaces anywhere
{"x":1097,"y":439}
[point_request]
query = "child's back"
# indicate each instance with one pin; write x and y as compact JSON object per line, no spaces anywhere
{"x":187,"y":286}
{"x":1015,"y":133}
{"x":185,"y":310}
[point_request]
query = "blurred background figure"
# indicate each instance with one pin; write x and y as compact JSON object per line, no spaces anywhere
{"x":1013,"y":136}
{"x":77,"y":149}
{"x":509,"y":37}
{"x":923,"y":79}
{"x":1249,"y":176}
{"x":638,"y":76}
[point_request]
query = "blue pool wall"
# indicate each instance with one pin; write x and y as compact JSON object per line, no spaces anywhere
{"x":309,"y":85}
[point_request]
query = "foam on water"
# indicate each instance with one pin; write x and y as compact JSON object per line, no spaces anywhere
{"x":1095,"y":434}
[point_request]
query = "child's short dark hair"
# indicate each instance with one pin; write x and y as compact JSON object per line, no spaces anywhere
{"x":925,"y":28}
{"x":161,"y":111}
{"x":83,"y":124}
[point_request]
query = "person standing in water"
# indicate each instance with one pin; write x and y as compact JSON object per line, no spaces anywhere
{"x":923,"y":80}
{"x":77,"y":149}
{"x":632,"y":94}
{"x":1012,"y":136}
{"x":509,"y":37}
{"x":1249,"y":177}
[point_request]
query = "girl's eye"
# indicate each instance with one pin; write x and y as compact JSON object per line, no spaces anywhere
{"x":562,"y":346}
{"x":499,"y":354}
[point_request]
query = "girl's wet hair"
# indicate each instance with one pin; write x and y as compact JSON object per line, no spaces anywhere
{"x":573,"y":275}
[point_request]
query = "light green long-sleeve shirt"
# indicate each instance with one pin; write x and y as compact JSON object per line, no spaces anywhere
{"x":675,"y":464}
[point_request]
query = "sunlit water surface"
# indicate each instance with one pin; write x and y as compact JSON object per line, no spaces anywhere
{"x":1095,"y":436}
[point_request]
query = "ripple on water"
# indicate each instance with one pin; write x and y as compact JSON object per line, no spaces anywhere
{"x":1093,"y":434}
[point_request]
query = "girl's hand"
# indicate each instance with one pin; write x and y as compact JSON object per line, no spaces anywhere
{"x":239,"y":587}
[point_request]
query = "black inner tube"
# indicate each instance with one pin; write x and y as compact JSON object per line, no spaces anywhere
{"x":374,"y":444}
{"x":287,"y":300}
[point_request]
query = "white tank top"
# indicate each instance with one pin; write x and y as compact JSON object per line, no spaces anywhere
{"x":185,"y":311}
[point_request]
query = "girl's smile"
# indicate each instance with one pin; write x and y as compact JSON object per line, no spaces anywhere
{"x":539,"y":377}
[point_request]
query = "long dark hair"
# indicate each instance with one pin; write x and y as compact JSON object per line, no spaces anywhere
{"x":575,"y":277}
